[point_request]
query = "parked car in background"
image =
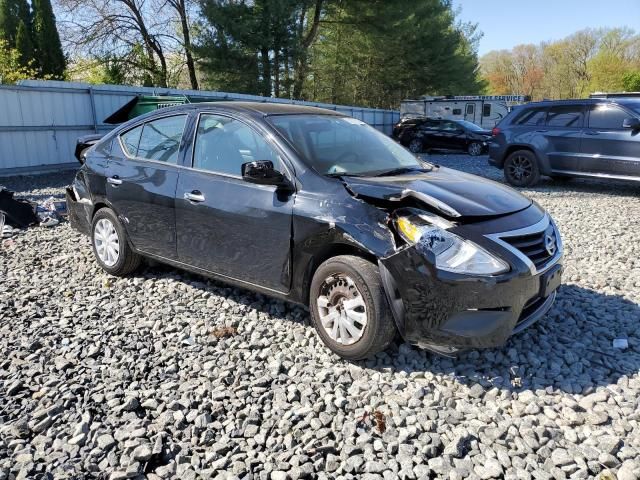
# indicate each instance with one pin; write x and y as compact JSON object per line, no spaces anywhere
{"x":569,"y":138}
{"x":320,"y":209}
{"x":420,"y":134}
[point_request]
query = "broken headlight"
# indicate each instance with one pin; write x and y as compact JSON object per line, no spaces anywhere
{"x":449,"y":251}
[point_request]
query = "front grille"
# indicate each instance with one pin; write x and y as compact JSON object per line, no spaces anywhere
{"x":539,"y":247}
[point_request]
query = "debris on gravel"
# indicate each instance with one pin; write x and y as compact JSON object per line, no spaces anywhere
{"x":170,"y":375}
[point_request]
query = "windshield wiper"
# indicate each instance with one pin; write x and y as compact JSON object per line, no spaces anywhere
{"x":401,"y":170}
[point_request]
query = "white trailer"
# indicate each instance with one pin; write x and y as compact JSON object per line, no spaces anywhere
{"x":483,"y":110}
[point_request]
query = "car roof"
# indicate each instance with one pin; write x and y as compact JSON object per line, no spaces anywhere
{"x":261,"y":109}
{"x":585,"y":101}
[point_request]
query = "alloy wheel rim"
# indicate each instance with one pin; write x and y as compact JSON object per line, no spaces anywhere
{"x":106,"y":241}
{"x":475,"y":149}
{"x":520,"y":168}
{"x":414,"y":146}
{"x":342,"y":309}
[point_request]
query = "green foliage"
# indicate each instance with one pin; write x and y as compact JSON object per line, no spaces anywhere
{"x":365,"y":52}
{"x":631,"y":82}
{"x":11,"y":69}
{"x":12,"y":13}
{"x":376,"y":53}
{"x":602,"y":60}
{"x":24,"y":44}
{"x":52,"y":61}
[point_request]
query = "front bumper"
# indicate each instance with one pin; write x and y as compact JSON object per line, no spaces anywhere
{"x":448,"y":312}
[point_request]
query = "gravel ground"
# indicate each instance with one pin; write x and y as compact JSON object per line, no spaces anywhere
{"x":169,"y":375}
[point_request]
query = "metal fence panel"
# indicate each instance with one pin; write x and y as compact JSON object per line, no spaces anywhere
{"x":41,"y":120}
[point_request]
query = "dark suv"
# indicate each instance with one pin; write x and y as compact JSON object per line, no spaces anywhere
{"x":569,"y":138}
{"x":419,"y":134}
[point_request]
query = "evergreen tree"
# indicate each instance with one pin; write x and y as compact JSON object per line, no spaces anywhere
{"x":24,"y":45}
{"x":47,"y":41}
{"x":12,"y":12}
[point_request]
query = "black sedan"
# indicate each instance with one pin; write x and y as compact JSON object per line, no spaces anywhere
{"x":420,"y":134}
{"x":322,"y":210}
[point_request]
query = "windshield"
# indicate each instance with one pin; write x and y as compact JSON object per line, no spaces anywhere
{"x":470,"y":126}
{"x":344,"y":146}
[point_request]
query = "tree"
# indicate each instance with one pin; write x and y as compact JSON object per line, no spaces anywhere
{"x":51,"y":59}
{"x":181,"y":7}
{"x":12,"y":12}
{"x":139,"y":33}
{"x":631,"y":82}
{"x":376,"y":53}
{"x":11,"y":69}
{"x":24,"y":45}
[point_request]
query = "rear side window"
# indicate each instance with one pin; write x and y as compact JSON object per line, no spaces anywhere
{"x":565,"y":116}
{"x":160,"y":140}
{"x":606,"y":117}
{"x":486,"y":110}
{"x":131,"y":140}
{"x":532,"y":116}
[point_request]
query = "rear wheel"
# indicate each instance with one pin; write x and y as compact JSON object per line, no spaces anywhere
{"x":110,"y":245}
{"x":521,"y":169}
{"x":475,"y":149}
{"x":349,"y":308}
{"x":415,"y":145}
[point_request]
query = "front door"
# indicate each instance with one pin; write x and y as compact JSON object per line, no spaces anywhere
{"x":607,"y":147}
{"x":226,"y":225}
{"x":141,"y":183}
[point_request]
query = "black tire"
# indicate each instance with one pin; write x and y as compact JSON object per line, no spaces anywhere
{"x":380,"y":329}
{"x":522,"y":169}
{"x":127,"y":260}
{"x":416,"y":145}
{"x":475,"y":148}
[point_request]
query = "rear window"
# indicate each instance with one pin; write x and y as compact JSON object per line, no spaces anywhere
{"x":532,"y":116}
{"x":565,"y":116}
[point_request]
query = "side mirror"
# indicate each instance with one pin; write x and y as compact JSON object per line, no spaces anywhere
{"x":262,"y":172}
{"x":632,"y":123}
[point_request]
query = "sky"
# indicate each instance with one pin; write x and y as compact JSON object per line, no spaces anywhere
{"x":507,"y":23}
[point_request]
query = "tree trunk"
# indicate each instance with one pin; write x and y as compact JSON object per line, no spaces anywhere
{"x":302,"y":64}
{"x":181,"y":7}
{"x":276,"y":71}
{"x":266,"y":72}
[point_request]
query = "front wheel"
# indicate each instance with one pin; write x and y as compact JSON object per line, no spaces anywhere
{"x":521,"y":169}
{"x":349,"y":308}
{"x":110,"y":245}
{"x":475,"y":149}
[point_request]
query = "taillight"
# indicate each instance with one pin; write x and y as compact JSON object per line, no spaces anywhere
{"x":495,"y":131}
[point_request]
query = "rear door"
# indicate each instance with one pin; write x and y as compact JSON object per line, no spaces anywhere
{"x":141,"y":182}
{"x":561,"y":135}
{"x":607,"y":147}
{"x":226,"y":225}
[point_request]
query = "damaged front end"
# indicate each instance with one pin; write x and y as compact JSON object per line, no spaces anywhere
{"x":452,"y":284}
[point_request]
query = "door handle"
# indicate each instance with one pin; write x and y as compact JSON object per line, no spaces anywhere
{"x":542,"y":131}
{"x":194,"y":196}
{"x":591,"y":132}
{"x":114,"y":180}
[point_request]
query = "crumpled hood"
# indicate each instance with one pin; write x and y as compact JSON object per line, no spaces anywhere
{"x":454,"y":193}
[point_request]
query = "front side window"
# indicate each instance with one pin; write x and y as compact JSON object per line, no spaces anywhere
{"x":565,"y":116}
{"x":223,"y":144}
{"x":334,"y":145}
{"x":160,"y":139}
{"x":606,"y":117}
